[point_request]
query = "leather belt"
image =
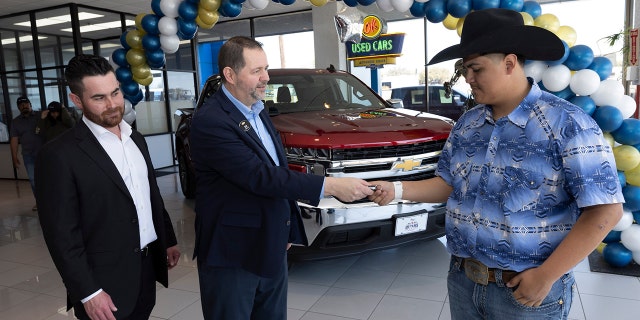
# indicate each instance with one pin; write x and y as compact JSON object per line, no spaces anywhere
{"x":479,"y":273}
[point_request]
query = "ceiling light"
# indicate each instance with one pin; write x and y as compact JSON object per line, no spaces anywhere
{"x":59,"y":19}
{"x":101,"y":26}
{"x":22,"y":39}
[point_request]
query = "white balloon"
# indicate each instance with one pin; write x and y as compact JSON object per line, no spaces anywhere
{"x":401,"y":5}
{"x":625,"y":221}
{"x":247,"y":5}
{"x":170,"y":7}
{"x":130,"y":117}
{"x":258,"y":4}
{"x":535,"y":70}
{"x":609,"y":93}
{"x":636,"y":256}
{"x":584,"y":82}
{"x":169,"y":43}
{"x":127,"y":106}
{"x":168,"y":26}
{"x":384,"y":5}
{"x":556,"y":78}
{"x":627,"y":106}
{"x":630,"y":237}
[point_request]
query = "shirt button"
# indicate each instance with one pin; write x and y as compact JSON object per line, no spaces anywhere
{"x":288,"y":222}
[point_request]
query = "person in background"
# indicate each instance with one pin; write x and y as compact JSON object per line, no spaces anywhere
{"x":530,"y":183}
{"x":54,"y":121}
{"x":247,"y":216}
{"x":4,"y":132}
{"x":101,"y":212}
{"x":24,"y":132}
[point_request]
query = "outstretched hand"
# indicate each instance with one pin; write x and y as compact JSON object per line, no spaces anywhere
{"x":347,"y":189}
{"x":384,"y":194}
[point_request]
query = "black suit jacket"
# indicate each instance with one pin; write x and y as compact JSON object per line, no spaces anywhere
{"x":246,"y":208}
{"x":89,"y":219}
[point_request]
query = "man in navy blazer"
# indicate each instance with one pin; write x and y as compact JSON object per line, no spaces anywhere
{"x":246,"y":211}
{"x":100,"y":208}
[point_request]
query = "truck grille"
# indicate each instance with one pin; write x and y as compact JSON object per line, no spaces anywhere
{"x":387,"y":152}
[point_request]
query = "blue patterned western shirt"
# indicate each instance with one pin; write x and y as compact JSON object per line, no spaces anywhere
{"x":519,"y":182}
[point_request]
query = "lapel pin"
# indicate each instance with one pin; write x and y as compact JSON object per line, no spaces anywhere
{"x":245,"y":125}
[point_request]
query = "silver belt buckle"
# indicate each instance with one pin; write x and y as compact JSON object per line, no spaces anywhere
{"x":476,"y":271}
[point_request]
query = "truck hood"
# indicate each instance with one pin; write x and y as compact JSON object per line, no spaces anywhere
{"x":374,"y":127}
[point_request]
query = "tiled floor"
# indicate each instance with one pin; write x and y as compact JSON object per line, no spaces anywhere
{"x":398,"y":284}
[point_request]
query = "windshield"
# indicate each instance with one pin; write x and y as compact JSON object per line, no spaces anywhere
{"x":319,"y":92}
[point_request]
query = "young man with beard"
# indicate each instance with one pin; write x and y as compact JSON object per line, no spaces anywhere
{"x":101,"y":211}
{"x":530,"y":183}
{"x":24,"y":132}
{"x":246,"y":211}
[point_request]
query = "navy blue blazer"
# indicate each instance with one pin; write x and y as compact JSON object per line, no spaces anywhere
{"x":246,"y":210}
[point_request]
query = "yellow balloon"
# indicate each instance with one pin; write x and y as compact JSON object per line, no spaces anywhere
{"x":627,"y":158}
{"x":609,"y":138}
{"x":208,"y":17}
{"x":203,"y":25}
{"x":139,"y":20}
{"x":136,"y":57}
{"x":600,"y":247}
{"x":450,"y":22}
{"x":142,"y":71}
{"x":211,"y":5}
{"x":144,"y":81}
{"x":568,"y":34}
{"x":134,"y":39}
{"x":318,"y":3}
{"x":547,"y":21}
{"x":633,"y":175}
{"x":528,"y":19}
{"x":459,"y":26}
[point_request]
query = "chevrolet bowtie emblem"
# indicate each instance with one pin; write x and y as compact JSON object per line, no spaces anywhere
{"x":406,"y":165}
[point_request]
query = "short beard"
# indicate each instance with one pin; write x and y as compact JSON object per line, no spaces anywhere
{"x":105,"y":119}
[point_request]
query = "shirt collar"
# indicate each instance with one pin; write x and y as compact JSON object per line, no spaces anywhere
{"x":247,"y":111}
{"x":98,"y":130}
{"x":520,"y":115}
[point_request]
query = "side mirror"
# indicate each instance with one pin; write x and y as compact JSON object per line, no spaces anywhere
{"x":396,"y":103}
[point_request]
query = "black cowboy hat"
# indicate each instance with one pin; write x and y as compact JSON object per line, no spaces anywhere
{"x":502,"y":31}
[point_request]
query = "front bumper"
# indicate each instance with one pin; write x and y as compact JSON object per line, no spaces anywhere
{"x":335,"y":229}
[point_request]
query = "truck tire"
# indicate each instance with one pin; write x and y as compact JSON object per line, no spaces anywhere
{"x":187,"y":179}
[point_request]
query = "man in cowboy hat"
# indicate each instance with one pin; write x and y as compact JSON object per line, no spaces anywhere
{"x":530,"y":183}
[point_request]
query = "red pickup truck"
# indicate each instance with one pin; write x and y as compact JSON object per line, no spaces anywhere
{"x":332,"y":124}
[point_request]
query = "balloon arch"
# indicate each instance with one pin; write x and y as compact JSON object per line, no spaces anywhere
{"x":578,"y":77}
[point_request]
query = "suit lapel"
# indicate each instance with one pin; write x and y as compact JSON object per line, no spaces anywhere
{"x":89,"y":144}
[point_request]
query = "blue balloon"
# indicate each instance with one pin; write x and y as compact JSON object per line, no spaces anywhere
{"x":123,"y":40}
{"x":350,"y":3}
{"x":155,"y":57}
{"x":417,"y":9}
{"x":119,"y":56}
{"x":602,"y":66}
{"x":150,"y":24}
{"x":580,"y":57}
{"x":485,"y":4}
{"x":124,"y":75}
{"x":585,"y":103}
{"x":631,"y":196}
{"x":238,"y":1}
{"x":129,"y":88}
{"x":135,"y":98}
{"x":565,"y":93}
{"x":187,"y":28}
{"x":533,"y":8}
{"x":608,"y":118}
{"x":151,"y":42}
{"x":229,"y":9}
{"x":368,"y":3}
{"x":459,"y":8}
{"x":564,"y":57}
{"x":628,"y":132}
{"x":622,"y":178}
{"x":155,"y":7}
{"x":636,"y":216}
{"x":435,"y":10}
{"x":515,"y":5}
{"x":612,"y":236}
{"x":616,"y":254}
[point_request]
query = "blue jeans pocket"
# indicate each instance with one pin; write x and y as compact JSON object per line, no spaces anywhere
{"x":555,"y":305}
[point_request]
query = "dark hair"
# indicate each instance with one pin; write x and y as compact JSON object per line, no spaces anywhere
{"x":231,"y":53}
{"x":84,"y":65}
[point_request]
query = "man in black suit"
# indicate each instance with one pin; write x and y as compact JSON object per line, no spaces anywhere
{"x":246,"y":210}
{"x":100,"y":208}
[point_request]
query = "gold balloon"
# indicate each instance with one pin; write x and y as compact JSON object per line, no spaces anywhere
{"x":208,"y":17}
{"x":528,"y":19}
{"x":210,"y":5}
{"x":203,"y":25}
{"x":568,"y":34}
{"x":627,"y":157}
{"x":600,"y":247}
{"x":134,"y":39}
{"x":547,"y":21}
{"x":459,"y":26}
{"x":633,"y":175}
{"x":318,"y":3}
{"x":136,"y":57}
{"x":609,"y":138}
{"x":142,"y":71}
{"x":139,"y":20}
{"x":144,"y":81}
{"x":450,"y":22}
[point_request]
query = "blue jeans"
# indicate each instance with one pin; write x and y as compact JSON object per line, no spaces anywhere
{"x":29,"y":164}
{"x":469,"y":300}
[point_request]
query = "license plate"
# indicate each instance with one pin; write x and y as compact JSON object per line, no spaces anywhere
{"x":411,"y":224}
